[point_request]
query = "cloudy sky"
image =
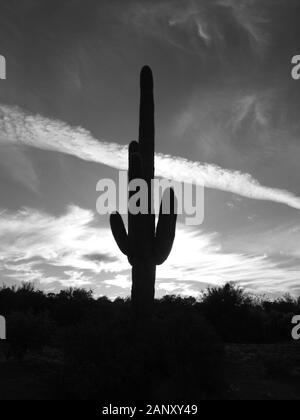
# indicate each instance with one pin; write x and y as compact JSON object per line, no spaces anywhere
{"x":227,"y":116}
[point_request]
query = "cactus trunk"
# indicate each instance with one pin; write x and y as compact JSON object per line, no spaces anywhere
{"x":143,"y":289}
{"x":145,"y":245}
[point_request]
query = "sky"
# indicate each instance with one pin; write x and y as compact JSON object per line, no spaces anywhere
{"x":226,"y":117}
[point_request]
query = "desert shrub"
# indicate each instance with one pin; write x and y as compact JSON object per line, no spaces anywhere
{"x":284,"y":305}
{"x":70,"y":306}
{"x":241,"y":318}
{"x":235,"y":316}
{"x":22,"y":299}
{"x":93,"y":325}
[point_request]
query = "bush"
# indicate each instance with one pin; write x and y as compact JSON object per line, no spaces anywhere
{"x":241,"y":318}
{"x":102,"y":356}
{"x":22,"y":299}
{"x":236,"y":317}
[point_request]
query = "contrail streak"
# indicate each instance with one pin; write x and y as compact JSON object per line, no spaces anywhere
{"x":20,"y":128}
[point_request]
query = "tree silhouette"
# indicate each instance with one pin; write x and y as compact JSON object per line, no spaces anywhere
{"x":145,"y":245}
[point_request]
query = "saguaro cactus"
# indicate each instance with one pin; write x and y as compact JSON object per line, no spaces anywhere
{"x":146,"y":245}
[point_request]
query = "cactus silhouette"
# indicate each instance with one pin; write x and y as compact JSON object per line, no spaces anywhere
{"x":146,"y":245}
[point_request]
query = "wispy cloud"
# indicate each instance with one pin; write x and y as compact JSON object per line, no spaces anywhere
{"x":121,"y":281}
{"x":18,"y":164}
{"x":192,"y":25}
{"x":34,"y":244}
{"x":250,"y":107}
{"x":250,"y":18}
{"x":239,"y":127}
{"x":191,"y":20}
{"x":19,"y":128}
{"x":178,"y":288}
{"x":281,"y":241}
{"x":52,"y":251}
{"x":210,"y":261}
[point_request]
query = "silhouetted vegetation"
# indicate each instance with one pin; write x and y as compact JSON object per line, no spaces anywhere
{"x":145,"y":244}
{"x":90,"y":349}
{"x":241,"y":318}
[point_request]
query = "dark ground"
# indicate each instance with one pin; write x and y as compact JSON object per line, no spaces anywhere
{"x":252,"y":372}
{"x":263,"y":372}
{"x":71,"y":346}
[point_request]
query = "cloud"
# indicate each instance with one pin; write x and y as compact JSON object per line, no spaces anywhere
{"x":250,"y":107}
{"x":16,"y":162}
{"x":100,"y":257}
{"x":120,"y":281}
{"x":196,"y":26}
{"x":238,"y":127}
{"x":191,"y":20}
{"x":52,"y":252}
{"x":177,"y":288}
{"x":19,"y":128}
{"x":34,"y":244}
{"x":282,"y":241}
{"x":249,"y":16}
{"x":210,"y":260}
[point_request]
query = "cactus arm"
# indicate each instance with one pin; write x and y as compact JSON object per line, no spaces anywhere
{"x":135,"y":166}
{"x":119,"y":233}
{"x":134,"y":147}
{"x":166,"y":228}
